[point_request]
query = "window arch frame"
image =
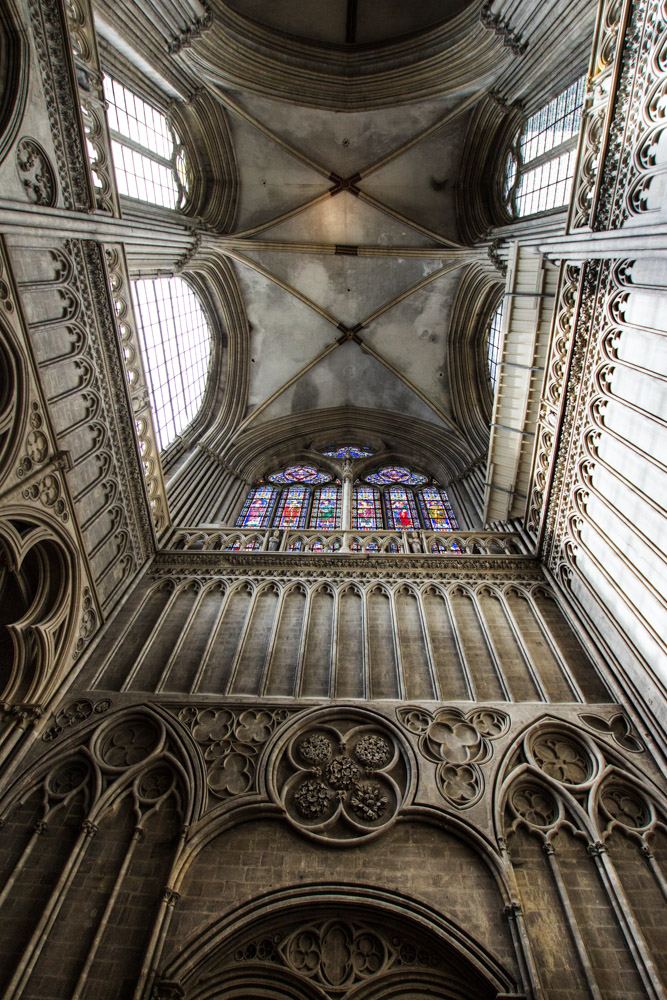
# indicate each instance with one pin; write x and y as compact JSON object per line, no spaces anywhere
{"x":117,"y":138}
{"x":517,"y":167}
{"x":178,"y":441}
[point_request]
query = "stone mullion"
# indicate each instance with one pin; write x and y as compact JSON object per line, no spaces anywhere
{"x":81,"y":982}
{"x":518,"y":637}
{"x":277,"y":618}
{"x":95,"y":681}
{"x":243,"y":639}
{"x":173,"y":657}
{"x":555,"y":651}
{"x":573,"y":926}
{"x":303,"y":643}
{"x":213,"y":635}
{"x":333,"y":652}
{"x":143,"y":653}
{"x":493,"y":653}
{"x":626,"y":920}
{"x":401,"y":685}
{"x":33,"y":950}
{"x":467,"y":673}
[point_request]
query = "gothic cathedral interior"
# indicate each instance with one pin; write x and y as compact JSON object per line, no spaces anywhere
{"x":333,"y":423}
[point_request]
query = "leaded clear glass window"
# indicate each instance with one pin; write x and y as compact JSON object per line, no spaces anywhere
{"x":149,"y":158}
{"x":493,"y":343}
{"x":539,"y":171}
{"x":175,"y":340}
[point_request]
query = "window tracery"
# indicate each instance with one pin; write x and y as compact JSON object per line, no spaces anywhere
{"x":540,"y":167}
{"x":150,"y":160}
{"x":392,"y":498}
{"x":176,"y":346}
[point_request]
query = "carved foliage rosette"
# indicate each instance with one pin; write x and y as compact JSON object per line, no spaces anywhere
{"x":458,"y":744}
{"x":341,"y":780}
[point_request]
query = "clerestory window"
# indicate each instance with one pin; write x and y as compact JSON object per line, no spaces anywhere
{"x":175,"y":339}
{"x":493,"y":332}
{"x":540,"y":168}
{"x":392,"y":498}
{"x":149,"y":158}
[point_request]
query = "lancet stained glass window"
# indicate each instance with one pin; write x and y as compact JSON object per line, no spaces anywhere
{"x":436,"y":510}
{"x":547,"y":152}
{"x":258,"y":508}
{"x":366,"y":509}
{"x":400,"y":509}
{"x":176,"y":348}
{"x":149,"y":159}
{"x":325,"y":512}
{"x":293,"y":508}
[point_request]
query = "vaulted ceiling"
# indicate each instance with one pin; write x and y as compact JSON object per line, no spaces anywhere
{"x":356,"y":130}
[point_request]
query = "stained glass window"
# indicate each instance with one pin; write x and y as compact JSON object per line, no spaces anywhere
{"x":300,"y":474}
{"x":396,"y":474}
{"x":436,"y":510}
{"x":493,"y":343}
{"x":149,"y":159}
{"x":176,"y":348}
{"x":348,"y":451}
{"x":292,"y":508}
{"x":366,"y":509}
{"x":547,"y":153}
{"x":400,"y":509}
{"x":258,"y":508}
{"x":325,"y":512}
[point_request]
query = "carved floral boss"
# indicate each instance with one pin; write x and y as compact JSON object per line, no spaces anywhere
{"x":341,"y":781}
{"x":458,"y":744}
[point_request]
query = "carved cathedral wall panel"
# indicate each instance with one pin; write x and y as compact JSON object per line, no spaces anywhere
{"x":238,"y":637}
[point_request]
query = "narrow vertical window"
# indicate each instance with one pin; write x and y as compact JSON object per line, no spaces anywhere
{"x":292,"y":508}
{"x":400,"y":509}
{"x":258,"y":508}
{"x":325,"y":513}
{"x":493,"y":344}
{"x":436,"y":510}
{"x":366,"y":509}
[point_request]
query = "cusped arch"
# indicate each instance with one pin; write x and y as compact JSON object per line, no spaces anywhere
{"x":360,"y":942}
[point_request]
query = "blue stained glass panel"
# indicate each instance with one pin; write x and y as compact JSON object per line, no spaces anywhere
{"x":300,"y":474}
{"x":436,"y":510}
{"x":258,"y":507}
{"x":396,"y":474}
{"x":293,"y":507}
{"x":325,"y":513}
{"x":400,"y":509}
{"x":366,"y":509}
{"x":348,"y":451}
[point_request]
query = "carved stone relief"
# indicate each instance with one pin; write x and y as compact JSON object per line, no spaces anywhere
{"x":73,"y":714}
{"x":335,"y":954}
{"x":458,"y":743}
{"x":618,"y":728}
{"x":342,"y":779}
{"x":36,"y":173}
{"x":231,"y":741}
